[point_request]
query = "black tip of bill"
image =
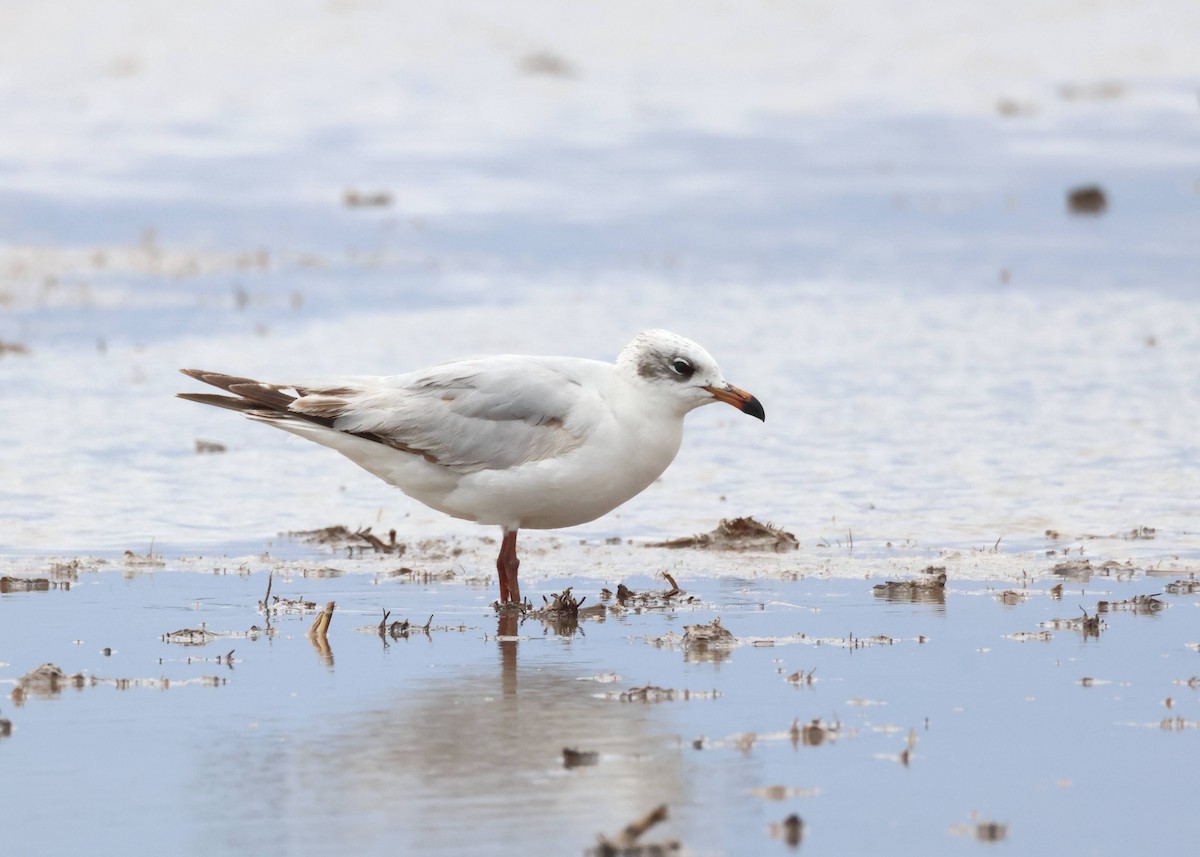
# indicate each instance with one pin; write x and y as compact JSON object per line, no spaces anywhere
{"x":754,"y":408}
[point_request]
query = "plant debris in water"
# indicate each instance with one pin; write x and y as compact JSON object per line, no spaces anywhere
{"x":737,"y":534}
{"x":573,"y":758}
{"x":1089,"y":626}
{"x":654,"y":693}
{"x":343,"y":537}
{"x":49,"y":680}
{"x":790,"y":830}
{"x":931,"y":588}
{"x":1140,"y":604}
{"x":626,"y":844}
{"x":29,"y":584}
{"x":202,"y":636}
{"x":626,"y":598}
{"x":814,"y":733}
{"x":1082,"y":569}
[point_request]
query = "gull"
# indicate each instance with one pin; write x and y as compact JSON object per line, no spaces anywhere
{"x":505,"y":440}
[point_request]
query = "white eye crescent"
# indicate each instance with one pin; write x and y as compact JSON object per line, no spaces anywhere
{"x":682,"y":367}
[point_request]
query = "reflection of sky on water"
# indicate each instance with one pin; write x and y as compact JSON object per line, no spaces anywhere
{"x":454,"y":743}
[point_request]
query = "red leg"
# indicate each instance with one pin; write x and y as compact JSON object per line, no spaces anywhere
{"x":500,"y":571}
{"x":506,"y":566}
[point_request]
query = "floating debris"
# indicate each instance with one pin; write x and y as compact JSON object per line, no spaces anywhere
{"x":134,"y":560}
{"x":573,"y":758}
{"x":625,"y":843}
{"x":1190,"y":586}
{"x":27,"y":584}
{"x":401,"y":629}
{"x":790,"y":830}
{"x":189,"y":637}
{"x":801,"y":677}
{"x":282,"y":606}
{"x":340,"y":536}
{"x":202,"y":636}
{"x":627,"y":599}
{"x":737,"y":534}
{"x":984,"y":831}
{"x":930,"y":589}
{"x":814,"y":733}
{"x":654,"y":693}
{"x":375,"y":199}
{"x":1177,"y":724}
{"x":209,"y":447}
{"x":1089,"y":626}
{"x":1087,"y":200}
{"x":1144,"y":605}
{"x":545,"y":64}
{"x":49,"y":680}
{"x":710,"y":635}
{"x":991,"y":831}
{"x":1082,"y":569}
{"x":1025,"y":636}
{"x":12,"y":348}
{"x":1009,"y":597}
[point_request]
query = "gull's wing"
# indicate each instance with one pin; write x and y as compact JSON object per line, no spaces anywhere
{"x":488,"y":413}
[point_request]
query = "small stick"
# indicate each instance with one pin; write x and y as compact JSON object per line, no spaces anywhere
{"x":321,"y":625}
{"x":383,"y":624}
{"x":267,"y":597}
{"x":627,"y":837}
{"x":675,"y":590}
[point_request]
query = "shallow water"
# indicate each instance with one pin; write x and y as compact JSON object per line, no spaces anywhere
{"x":872,"y":238}
{"x":452,"y":742}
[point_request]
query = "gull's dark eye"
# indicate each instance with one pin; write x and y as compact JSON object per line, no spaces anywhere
{"x":682,"y":367}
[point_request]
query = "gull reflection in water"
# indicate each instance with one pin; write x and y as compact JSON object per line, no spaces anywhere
{"x":465,"y":759}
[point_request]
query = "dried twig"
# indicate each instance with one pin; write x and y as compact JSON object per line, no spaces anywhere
{"x":626,"y":840}
{"x":320,"y":626}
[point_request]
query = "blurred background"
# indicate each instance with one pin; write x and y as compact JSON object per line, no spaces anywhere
{"x":953,"y":249}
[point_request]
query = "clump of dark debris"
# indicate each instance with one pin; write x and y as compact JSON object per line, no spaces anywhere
{"x":1089,"y":626}
{"x":712,"y":635}
{"x":1082,"y":569}
{"x":29,"y":584}
{"x":573,"y":758}
{"x":1140,"y":604}
{"x":1189,"y":586}
{"x":930,"y":588}
{"x":790,"y":830}
{"x":737,"y":534}
{"x":626,"y":598}
{"x":626,"y":844}
{"x":1087,"y":200}
{"x":402,"y":628}
{"x":339,"y":536}
{"x":814,"y":733}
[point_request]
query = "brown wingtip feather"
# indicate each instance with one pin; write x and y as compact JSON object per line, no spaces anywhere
{"x":230,"y":402}
{"x":252,"y":398}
